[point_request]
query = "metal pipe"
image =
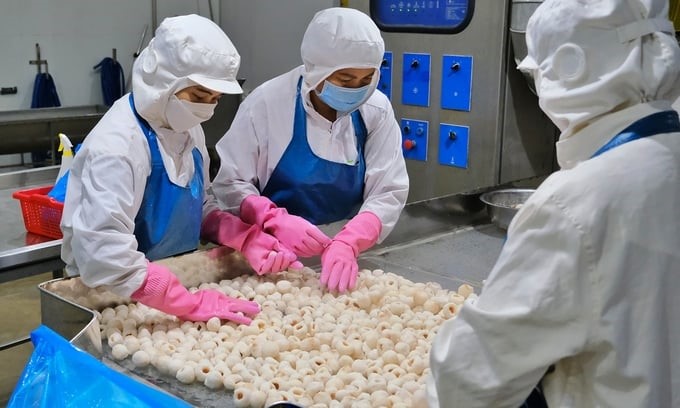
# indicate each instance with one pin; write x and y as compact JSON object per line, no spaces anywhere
{"x":141,"y":42}
{"x":154,"y":16}
{"x":210,"y":7}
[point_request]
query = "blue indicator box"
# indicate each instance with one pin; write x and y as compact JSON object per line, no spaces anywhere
{"x":453,"y":145}
{"x":456,"y":82}
{"x":414,"y":136}
{"x":385,"y":82}
{"x":416,"y":80}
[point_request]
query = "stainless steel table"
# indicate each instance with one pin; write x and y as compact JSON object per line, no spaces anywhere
{"x":448,"y":240}
{"x":23,"y":253}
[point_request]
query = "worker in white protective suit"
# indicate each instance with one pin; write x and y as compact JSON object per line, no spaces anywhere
{"x":588,"y":279}
{"x":318,"y":145}
{"x":138,"y":187}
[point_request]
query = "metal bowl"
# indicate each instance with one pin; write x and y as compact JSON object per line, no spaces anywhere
{"x":284,"y":404}
{"x":502,"y":205}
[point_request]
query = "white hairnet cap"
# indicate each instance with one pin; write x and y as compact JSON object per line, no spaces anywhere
{"x":186,"y":50}
{"x":338,"y":38}
{"x":592,"y":57}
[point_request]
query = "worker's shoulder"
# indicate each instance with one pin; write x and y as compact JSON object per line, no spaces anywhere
{"x":643,"y":166}
{"x":629,"y":181}
{"x":379,"y":101}
{"x":376,"y":109}
{"x":117,"y":133}
{"x":588,"y":183}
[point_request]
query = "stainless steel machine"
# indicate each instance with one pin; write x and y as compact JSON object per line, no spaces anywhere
{"x":469,"y":120}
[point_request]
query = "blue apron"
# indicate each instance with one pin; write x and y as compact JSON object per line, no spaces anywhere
{"x":169,"y":220}
{"x":657,"y":123}
{"x":321,"y":191}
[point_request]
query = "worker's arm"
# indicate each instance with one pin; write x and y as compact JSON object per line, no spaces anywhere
{"x":386,"y":180}
{"x":239,"y":151}
{"x":535,"y":308}
{"x":339,"y":267}
{"x":109,"y":188}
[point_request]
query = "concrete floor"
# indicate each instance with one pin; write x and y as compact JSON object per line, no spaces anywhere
{"x":20,"y":306}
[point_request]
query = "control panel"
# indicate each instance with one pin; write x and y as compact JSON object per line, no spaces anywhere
{"x":456,"y":82}
{"x":453,"y":145}
{"x":385,"y":82}
{"x":416,"y":79}
{"x":414,"y":137}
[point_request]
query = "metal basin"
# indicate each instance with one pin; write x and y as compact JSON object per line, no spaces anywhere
{"x":502,"y":205}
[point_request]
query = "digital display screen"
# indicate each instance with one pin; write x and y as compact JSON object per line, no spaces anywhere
{"x":422,"y":16}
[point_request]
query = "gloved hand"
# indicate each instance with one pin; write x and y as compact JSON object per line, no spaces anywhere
{"x":263,"y":251}
{"x":296,"y":233}
{"x":163,"y":291}
{"x":339,"y":266}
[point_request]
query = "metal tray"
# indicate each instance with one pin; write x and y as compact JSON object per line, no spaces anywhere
{"x":464,"y":255}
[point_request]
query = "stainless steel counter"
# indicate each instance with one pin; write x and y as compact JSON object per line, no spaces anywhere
{"x":23,"y":253}
{"x":448,"y":241}
{"x":36,"y":129}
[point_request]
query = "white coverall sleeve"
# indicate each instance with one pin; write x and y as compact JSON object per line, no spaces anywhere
{"x":210,"y":203}
{"x":535,"y":309}
{"x":103,"y":243}
{"x":239,"y":154}
{"x":387,"y":182}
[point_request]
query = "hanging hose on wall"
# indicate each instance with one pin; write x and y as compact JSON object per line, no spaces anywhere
{"x":112,"y":79}
{"x":44,"y":96}
{"x":44,"y":91}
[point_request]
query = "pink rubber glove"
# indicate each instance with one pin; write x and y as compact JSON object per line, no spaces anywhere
{"x":163,"y":291}
{"x":263,"y":251}
{"x":296,"y":233}
{"x":339,"y":266}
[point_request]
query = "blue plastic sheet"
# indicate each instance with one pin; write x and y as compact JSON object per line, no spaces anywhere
{"x":58,"y":375}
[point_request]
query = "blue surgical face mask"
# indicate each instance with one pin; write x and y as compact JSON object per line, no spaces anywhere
{"x":343,"y":100}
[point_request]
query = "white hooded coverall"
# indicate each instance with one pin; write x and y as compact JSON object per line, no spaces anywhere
{"x":588,"y":279}
{"x":109,"y":173}
{"x":263,"y":126}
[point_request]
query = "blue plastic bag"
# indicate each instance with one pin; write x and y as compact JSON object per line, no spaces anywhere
{"x":58,"y":375}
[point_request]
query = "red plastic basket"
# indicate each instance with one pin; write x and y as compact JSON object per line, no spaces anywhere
{"x":42,"y":214}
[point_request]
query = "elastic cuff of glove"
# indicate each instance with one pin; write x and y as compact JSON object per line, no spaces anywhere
{"x":361,"y":232}
{"x":260,"y":210}
{"x":253,"y":209}
{"x":156,"y":281}
{"x":210,"y":226}
{"x":351,"y":247}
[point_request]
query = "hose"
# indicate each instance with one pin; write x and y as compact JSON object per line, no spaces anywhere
{"x":112,"y":80}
